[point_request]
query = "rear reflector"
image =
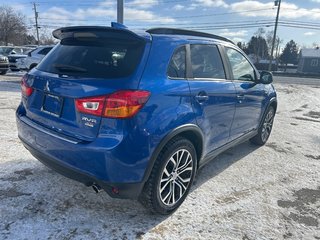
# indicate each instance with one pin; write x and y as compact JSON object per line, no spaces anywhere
{"x":121,"y":104}
{"x":26,"y":90}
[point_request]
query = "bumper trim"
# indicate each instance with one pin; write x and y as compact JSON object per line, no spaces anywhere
{"x":125,"y":190}
{"x":33,"y":125}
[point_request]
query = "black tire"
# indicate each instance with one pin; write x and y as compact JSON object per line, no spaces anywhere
{"x":156,"y":195}
{"x":265,"y":129}
{"x":3,"y":72}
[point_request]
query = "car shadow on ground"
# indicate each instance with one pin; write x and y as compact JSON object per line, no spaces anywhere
{"x":222,"y":162}
{"x":37,"y":194}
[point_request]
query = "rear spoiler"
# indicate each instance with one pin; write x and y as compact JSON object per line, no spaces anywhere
{"x":116,"y":31}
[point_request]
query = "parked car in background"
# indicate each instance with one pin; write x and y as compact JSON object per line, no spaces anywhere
{"x":4,"y":64}
{"x":11,"y":50}
{"x":137,"y":113}
{"x":6,"y":50}
{"x":17,"y":53}
{"x":33,"y":58}
{"x":31,"y":46}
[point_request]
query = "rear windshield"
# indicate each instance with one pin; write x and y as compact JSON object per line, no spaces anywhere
{"x":96,"y":58}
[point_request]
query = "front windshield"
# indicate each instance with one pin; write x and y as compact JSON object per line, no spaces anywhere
{"x":5,"y":50}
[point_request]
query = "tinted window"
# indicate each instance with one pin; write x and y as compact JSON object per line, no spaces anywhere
{"x":5,"y":50}
{"x":241,"y":68}
{"x":177,"y":65}
{"x":44,"y":51}
{"x":20,"y":50}
{"x":206,"y":62}
{"x":97,"y":58}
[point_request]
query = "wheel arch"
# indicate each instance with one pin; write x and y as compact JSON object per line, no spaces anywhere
{"x":273,"y":103}
{"x":189,"y":131}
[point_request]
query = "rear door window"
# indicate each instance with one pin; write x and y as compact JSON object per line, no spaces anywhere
{"x":96,"y":58}
{"x":206,"y":62}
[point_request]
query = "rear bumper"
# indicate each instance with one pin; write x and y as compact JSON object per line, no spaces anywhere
{"x":86,"y":163}
{"x":127,"y":191}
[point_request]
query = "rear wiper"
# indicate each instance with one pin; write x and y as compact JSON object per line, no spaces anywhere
{"x":69,"y":68}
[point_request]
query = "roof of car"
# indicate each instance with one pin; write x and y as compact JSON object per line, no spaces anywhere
{"x":45,"y":46}
{"x":182,"y":33}
{"x":187,"y":33}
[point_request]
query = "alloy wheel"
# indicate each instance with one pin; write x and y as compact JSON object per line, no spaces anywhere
{"x":176,"y":177}
{"x":267,"y":126}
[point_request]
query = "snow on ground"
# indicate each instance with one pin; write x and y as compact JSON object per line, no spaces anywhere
{"x":271,"y":192}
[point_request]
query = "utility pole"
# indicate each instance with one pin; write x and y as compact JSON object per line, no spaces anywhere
{"x":36,"y":19}
{"x":120,"y":11}
{"x":276,"y":3}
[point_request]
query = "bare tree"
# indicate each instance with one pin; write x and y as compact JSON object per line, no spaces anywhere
{"x":12,"y":26}
{"x":46,"y":37}
{"x":278,"y":42}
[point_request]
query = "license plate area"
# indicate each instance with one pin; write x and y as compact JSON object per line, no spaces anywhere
{"x":52,"y":104}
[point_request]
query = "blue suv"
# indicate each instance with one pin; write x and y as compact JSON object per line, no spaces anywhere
{"x":138,"y":113}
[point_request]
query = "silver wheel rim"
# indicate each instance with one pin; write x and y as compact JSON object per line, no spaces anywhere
{"x":176,"y":177}
{"x":267,"y":126}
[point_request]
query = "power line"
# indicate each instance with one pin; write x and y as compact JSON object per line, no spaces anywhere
{"x":194,"y":16}
{"x":91,"y":3}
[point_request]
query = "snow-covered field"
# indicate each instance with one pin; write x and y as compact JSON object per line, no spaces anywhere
{"x":271,"y":192}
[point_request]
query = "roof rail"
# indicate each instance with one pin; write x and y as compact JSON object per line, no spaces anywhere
{"x":176,"y":31}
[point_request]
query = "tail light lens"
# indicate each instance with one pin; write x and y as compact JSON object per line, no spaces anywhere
{"x":92,"y":105}
{"x":121,"y":104}
{"x":25,"y":88}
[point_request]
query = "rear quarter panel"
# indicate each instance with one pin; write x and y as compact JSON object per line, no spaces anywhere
{"x":169,"y":105}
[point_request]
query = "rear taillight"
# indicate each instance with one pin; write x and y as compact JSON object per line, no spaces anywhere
{"x":121,"y":104}
{"x":92,"y":105}
{"x":26,"y":90}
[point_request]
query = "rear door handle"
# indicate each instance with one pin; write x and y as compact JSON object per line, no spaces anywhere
{"x":202,"y":97}
{"x":240,"y":98}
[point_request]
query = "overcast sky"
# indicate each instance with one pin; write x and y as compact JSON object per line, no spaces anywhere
{"x":238,"y":20}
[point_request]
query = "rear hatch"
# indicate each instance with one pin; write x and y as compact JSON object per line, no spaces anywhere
{"x":89,"y":62}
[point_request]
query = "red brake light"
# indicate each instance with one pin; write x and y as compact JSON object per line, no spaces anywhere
{"x":25,"y":88}
{"x":121,"y":104}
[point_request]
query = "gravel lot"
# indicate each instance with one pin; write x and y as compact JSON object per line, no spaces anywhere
{"x":271,"y":192}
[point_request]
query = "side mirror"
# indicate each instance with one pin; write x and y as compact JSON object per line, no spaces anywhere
{"x":265,"y":77}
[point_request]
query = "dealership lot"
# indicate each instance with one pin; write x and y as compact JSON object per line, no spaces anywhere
{"x":271,"y":192}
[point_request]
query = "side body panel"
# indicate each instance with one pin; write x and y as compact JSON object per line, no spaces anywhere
{"x":215,"y":115}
